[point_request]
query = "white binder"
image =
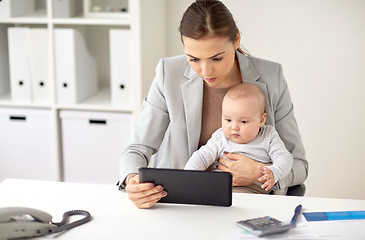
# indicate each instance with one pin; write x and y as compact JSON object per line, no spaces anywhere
{"x":19,"y":64}
{"x":12,"y":8}
{"x":76,"y":73}
{"x":64,"y":8}
{"x":39,"y":50}
{"x":4,"y":62}
{"x":120,"y":65}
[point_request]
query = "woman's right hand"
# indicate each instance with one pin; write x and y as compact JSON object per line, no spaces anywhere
{"x":244,"y":170}
{"x":143,"y":195}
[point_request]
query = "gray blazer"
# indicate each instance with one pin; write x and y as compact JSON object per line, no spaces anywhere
{"x":172,"y":113}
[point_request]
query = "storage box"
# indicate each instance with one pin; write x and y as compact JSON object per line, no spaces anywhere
{"x":64,"y":8}
{"x":13,"y":8}
{"x":106,"y":9}
{"x":92,"y":144}
{"x":26,"y":144}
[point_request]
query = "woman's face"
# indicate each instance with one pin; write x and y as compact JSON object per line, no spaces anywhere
{"x":213,"y":59}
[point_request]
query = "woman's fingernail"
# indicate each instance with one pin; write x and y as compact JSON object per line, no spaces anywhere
{"x":164,"y":193}
{"x":225,"y":152}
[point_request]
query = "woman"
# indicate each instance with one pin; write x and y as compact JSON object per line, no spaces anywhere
{"x":184,"y":104}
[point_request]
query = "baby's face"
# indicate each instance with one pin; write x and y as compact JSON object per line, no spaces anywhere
{"x":242,"y":119}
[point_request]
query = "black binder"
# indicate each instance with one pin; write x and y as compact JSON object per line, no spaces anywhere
{"x":191,"y":187}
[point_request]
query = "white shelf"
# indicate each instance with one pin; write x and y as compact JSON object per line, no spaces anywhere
{"x":38,"y":14}
{"x":98,"y":102}
{"x":143,"y":15}
{"x":11,"y":104}
{"x":5,"y":101}
{"x":81,"y":20}
{"x":37,"y":17}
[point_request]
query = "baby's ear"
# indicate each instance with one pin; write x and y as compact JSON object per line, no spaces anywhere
{"x":263,"y":119}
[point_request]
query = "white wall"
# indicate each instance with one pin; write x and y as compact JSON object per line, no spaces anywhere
{"x":321,"y":45}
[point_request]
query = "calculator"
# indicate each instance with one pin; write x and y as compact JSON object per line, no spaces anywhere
{"x":264,"y":226}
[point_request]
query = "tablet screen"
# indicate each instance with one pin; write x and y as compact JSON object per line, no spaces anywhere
{"x":191,"y":187}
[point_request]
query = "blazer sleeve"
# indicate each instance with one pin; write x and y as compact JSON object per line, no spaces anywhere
{"x":149,"y":130}
{"x":286,"y":126}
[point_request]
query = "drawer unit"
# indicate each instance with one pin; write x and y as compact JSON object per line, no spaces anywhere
{"x":26,"y":144}
{"x":92,"y":144}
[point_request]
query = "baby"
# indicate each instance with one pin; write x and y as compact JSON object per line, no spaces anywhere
{"x":244,"y":132}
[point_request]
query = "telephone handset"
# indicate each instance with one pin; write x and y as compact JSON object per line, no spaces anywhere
{"x":18,"y":222}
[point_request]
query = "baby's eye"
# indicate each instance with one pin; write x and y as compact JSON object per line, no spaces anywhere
{"x":244,"y":122}
{"x":228,"y":120}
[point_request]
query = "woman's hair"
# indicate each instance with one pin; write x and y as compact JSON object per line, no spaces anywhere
{"x":206,"y":18}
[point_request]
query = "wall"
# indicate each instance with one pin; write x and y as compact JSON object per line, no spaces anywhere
{"x":321,"y":45}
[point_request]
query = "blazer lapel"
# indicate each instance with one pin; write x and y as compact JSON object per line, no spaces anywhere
{"x":248,"y":71}
{"x":192,"y":93}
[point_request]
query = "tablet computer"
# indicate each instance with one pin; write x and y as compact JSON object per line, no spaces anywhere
{"x":191,"y":187}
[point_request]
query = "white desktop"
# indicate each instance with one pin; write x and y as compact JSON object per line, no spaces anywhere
{"x":115,"y":216}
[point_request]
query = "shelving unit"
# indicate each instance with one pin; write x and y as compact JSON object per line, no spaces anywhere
{"x":146,"y":22}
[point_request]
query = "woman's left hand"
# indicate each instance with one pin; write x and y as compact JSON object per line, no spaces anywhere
{"x":245,"y":171}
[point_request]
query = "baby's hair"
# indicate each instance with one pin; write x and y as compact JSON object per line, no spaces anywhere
{"x":245,"y":89}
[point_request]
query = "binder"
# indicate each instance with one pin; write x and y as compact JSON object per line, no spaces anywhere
{"x":19,"y":64}
{"x":76,"y":73}
{"x":64,"y":8}
{"x":4,"y":62}
{"x":120,"y":65}
{"x":337,"y":215}
{"x":39,"y":50}
{"x":13,"y":8}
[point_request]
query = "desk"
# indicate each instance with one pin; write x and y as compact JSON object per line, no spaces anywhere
{"x":115,"y":216}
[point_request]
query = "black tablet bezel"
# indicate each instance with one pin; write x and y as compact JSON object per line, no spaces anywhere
{"x":191,"y":187}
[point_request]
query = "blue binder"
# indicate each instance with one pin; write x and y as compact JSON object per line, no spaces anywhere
{"x":327,"y":216}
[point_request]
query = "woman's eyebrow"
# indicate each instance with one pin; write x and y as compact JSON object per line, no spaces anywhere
{"x":208,"y":57}
{"x":190,"y":55}
{"x":216,"y":55}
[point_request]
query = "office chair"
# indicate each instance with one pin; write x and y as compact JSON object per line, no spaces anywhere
{"x":297,"y":190}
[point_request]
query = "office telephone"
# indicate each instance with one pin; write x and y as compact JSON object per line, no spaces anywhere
{"x":19,"y":222}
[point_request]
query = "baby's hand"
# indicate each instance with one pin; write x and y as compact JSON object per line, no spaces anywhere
{"x":268,"y":177}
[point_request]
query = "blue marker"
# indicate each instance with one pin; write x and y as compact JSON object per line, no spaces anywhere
{"x":297,"y":212}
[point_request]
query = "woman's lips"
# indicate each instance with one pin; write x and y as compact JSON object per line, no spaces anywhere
{"x":210,"y":79}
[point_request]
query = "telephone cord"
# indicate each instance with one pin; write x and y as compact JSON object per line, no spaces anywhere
{"x":64,"y":225}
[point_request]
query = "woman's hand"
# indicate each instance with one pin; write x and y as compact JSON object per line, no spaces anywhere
{"x":245,"y":171}
{"x":143,"y":195}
